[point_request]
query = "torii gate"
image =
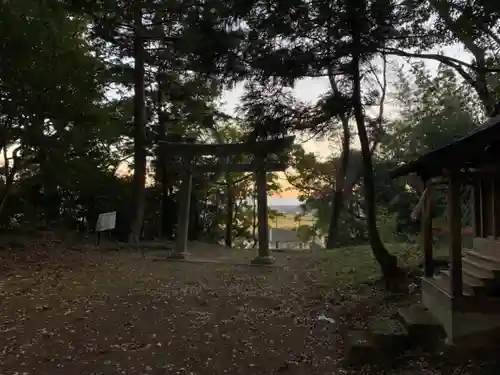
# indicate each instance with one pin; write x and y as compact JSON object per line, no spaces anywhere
{"x":266,"y":156}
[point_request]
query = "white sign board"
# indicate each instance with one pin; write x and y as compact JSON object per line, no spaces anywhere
{"x":283,"y":235}
{"x":105,"y":221}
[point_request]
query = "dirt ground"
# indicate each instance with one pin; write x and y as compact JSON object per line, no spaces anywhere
{"x":91,"y":312}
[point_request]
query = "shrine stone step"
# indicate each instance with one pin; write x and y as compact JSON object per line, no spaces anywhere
{"x":386,"y":339}
{"x":390,"y":334}
{"x":383,"y":341}
{"x":361,"y":349}
{"x":424,"y":330}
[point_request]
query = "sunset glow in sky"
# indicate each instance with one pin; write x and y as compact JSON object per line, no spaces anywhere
{"x":307,"y":90}
{"x":288,"y":190}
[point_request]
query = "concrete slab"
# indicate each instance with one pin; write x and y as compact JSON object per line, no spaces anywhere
{"x":417,"y":315}
{"x":361,"y":349}
{"x":263,"y":261}
{"x":424,"y":330}
{"x":390,"y":335}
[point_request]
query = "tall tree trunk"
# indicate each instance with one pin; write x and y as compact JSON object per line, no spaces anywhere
{"x":340,"y":179}
{"x":229,"y":212}
{"x":51,"y":204}
{"x":216,"y":212}
{"x":166,"y":229}
{"x":388,"y":263}
{"x":139,"y":179}
{"x":194,"y":232}
{"x":9,"y":176}
{"x":337,"y":203}
{"x":254,"y":219}
{"x":8,"y":179}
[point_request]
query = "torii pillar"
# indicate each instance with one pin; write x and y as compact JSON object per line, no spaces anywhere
{"x":264,"y":256}
{"x":181,"y":241}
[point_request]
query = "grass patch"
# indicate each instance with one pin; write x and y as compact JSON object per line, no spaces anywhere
{"x":356,"y":265}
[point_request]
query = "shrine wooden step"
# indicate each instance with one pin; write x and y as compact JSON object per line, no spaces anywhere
{"x":491,"y":260}
{"x":443,"y":281}
{"x":487,"y":247}
{"x":479,"y":268}
{"x":468,"y":278}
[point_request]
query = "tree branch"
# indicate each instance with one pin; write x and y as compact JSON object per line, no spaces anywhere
{"x":450,"y":61}
{"x":383,"y":95}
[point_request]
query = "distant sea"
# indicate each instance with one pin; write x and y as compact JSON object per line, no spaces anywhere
{"x":284,"y":204}
{"x":283,"y":201}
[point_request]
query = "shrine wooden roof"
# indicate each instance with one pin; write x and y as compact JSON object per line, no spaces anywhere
{"x":479,"y":146}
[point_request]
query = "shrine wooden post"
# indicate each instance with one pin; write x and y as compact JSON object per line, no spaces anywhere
{"x":455,"y":223}
{"x":426,"y":230}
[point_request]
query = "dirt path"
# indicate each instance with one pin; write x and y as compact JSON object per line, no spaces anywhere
{"x":120,"y":314}
{"x":117,"y":313}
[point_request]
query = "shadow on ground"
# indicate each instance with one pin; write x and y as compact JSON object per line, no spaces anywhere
{"x":94,"y":312}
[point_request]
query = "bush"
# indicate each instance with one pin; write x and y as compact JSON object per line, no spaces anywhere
{"x":387,"y":225}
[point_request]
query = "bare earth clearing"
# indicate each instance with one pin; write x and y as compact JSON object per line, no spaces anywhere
{"x":89,"y":312}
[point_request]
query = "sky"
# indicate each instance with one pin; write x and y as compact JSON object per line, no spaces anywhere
{"x":309,"y":90}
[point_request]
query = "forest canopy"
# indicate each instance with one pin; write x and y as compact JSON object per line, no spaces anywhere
{"x":91,"y":88}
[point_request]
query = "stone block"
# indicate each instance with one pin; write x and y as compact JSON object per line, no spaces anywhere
{"x":390,"y":336}
{"x":361,"y":349}
{"x":174,"y":255}
{"x":263,"y":261}
{"x":424,"y":330}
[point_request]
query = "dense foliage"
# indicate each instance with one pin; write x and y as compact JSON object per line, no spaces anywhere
{"x":89,"y":90}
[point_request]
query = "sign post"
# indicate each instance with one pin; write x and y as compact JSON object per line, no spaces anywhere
{"x":105,"y":221}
